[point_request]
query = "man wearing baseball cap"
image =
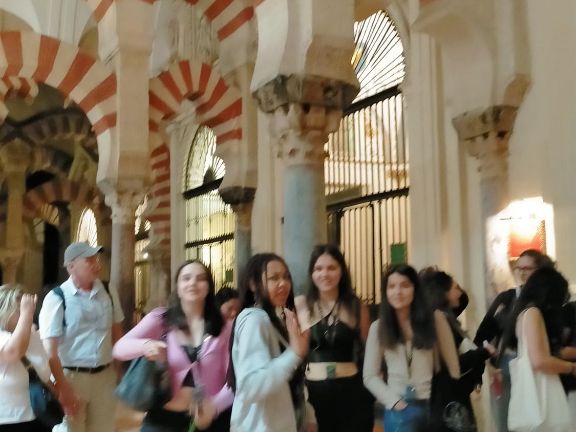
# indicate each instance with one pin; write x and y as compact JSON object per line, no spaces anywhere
{"x":79,"y":323}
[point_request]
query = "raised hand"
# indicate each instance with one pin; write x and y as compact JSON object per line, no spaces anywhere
{"x":299,"y":341}
{"x":27,"y":306}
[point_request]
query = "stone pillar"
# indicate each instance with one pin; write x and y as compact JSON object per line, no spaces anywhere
{"x":242,"y":236}
{"x":302,"y":112}
{"x":104,"y":221}
{"x":159,"y":276}
{"x":485,"y":134}
{"x":65,"y":238}
{"x":241,"y":199}
{"x":15,"y":157}
{"x":123,"y":206}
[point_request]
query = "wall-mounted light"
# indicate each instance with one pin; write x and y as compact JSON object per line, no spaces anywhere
{"x":523,"y":224}
{"x":528,"y":221}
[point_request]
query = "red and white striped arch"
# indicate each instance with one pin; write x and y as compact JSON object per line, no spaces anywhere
{"x":82,"y":78}
{"x":24,"y":87}
{"x":218,"y":106}
{"x":227,"y":16}
{"x":59,"y":190}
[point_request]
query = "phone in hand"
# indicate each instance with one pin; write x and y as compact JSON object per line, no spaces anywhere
{"x":497,"y":384}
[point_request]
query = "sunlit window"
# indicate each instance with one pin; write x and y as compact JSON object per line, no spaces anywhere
{"x":209,"y":220}
{"x":87,"y":228}
{"x":379,"y":55}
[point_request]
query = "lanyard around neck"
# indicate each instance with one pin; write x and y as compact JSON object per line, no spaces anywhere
{"x":409,"y":355}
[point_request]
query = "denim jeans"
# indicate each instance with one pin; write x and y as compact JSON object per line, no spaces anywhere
{"x":410,"y":419}
{"x":499,"y":403}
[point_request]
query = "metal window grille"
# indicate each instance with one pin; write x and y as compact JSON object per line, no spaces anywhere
{"x":209,"y":221}
{"x":367,"y":172}
{"x":367,"y":185}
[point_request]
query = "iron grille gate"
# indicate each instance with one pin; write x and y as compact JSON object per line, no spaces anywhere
{"x":210,"y":231}
{"x":367,"y":187}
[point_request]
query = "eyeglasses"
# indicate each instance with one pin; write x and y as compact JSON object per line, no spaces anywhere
{"x":525,"y":269}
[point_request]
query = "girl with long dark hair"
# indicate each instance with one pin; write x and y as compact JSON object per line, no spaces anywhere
{"x":340,"y":400}
{"x":267,"y":352}
{"x":191,"y":336}
{"x":402,"y":342}
{"x":491,"y":330}
{"x":444,"y":296}
{"x":535,"y":328}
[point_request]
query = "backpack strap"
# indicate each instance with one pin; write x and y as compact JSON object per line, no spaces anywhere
{"x":58,"y":291}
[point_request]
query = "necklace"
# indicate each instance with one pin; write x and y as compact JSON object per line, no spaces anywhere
{"x":329,"y":321}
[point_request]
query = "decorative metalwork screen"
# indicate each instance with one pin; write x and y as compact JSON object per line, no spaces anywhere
{"x":367,"y":173}
{"x":141,"y":276}
{"x":209,"y":221}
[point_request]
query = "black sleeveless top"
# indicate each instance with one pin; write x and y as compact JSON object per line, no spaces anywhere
{"x":333,"y":343}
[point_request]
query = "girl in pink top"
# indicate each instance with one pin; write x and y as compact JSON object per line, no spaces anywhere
{"x":191,"y":335}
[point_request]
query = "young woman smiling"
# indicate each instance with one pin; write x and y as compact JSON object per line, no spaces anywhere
{"x":402,"y":342}
{"x":268,"y":350}
{"x":191,"y":336}
{"x":340,"y":400}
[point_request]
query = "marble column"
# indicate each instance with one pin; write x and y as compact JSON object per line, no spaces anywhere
{"x":241,"y":199}
{"x":302,"y":112}
{"x":64,"y":238}
{"x":123,"y":205}
{"x":159,"y":276}
{"x":485,"y":135}
{"x":15,"y":157}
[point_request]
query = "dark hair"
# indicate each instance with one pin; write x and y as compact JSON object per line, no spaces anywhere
{"x":225,"y":294}
{"x":346,"y":295}
{"x":540,"y":259}
{"x":175,"y":315}
{"x":421,"y":316}
{"x":253,"y":292}
{"x":436,"y":284}
{"x":547,"y":290}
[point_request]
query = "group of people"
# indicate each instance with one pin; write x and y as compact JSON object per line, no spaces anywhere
{"x":262,"y":359}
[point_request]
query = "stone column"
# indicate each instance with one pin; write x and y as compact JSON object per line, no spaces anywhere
{"x":65,"y":238}
{"x":485,"y":135}
{"x":302,"y":112}
{"x":159,"y":276}
{"x":15,"y":157}
{"x":241,"y":199}
{"x":123,"y":206}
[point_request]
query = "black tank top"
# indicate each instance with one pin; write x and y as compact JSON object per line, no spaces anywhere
{"x":332,"y":343}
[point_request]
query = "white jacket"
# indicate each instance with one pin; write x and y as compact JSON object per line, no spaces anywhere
{"x":263,"y":402}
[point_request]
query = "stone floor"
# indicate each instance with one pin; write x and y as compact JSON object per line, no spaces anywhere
{"x":129,"y":421}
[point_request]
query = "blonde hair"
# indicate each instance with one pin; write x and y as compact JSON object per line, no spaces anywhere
{"x":9,"y":299}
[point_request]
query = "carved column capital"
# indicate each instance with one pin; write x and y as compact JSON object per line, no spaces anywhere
{"x":303,"y":111}
{"x":10,"y":260}
{"x":123,"y":205}
{"x":302,"y":131}
{"x":15,"y":157}
{"x":306,"y":90}
{"x":237,"y":195}
{"x":485,"y":134}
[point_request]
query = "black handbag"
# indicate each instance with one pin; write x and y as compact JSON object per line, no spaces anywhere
{"x":146,"y":384}
{"x":447,"y":412}
{"x":44,"y":403}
